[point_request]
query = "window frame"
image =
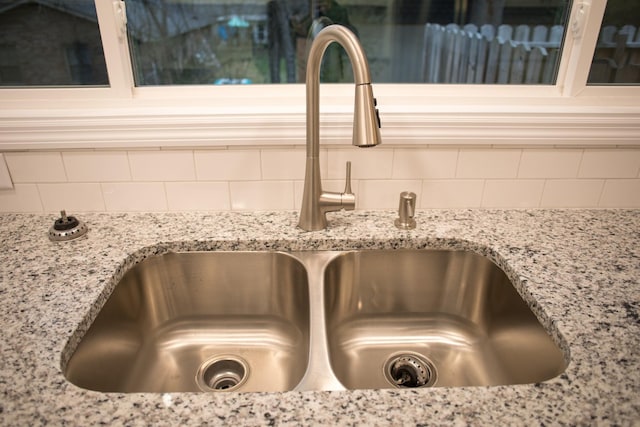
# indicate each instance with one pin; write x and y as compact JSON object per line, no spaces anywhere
{"x":569,"y":113}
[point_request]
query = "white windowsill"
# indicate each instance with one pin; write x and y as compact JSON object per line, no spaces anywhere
{"x":183,"y":117}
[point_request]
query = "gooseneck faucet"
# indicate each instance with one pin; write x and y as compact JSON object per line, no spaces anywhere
{"x":366,"y":123}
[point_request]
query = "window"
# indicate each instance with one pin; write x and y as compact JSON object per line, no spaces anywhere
{"x":205,"y":73}
{"x":50,"y":43}
{"x":406,"y":41}
{"x":80,"y":63}
{"x":617,"y":56}
{"x":9,"y":68}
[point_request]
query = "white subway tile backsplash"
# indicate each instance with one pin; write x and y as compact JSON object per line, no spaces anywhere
{"x":424,"y":163}
{"x":96,"y":166}
{"x":198,"y":196}
{"x":338,"y":185}
{"x":621,"y":163}
{"x":512,"y":193}
{"x":162,"y":165}
{"x":284,"y":164}
{"x":36,"y":167}
{"x":72,"y":197}
{"x":571,"y":193}
{"x":549,"y":163}
{"x":5,"y":178}
{"x":458,"y":193}
{"x":134,"y":196}
{"x":488,"y":163}
{"x":298,"y":190}
{"x":366,"y":163}
{"x":621,"y":193}
{"x":382,"y":194}
{"x":271,"y":178}
{"x":22,"y":198}
{"x":228,"y":165}
{"x":261,"y":195}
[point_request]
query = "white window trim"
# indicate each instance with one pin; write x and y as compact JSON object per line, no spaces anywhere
{"x":569,"y":113}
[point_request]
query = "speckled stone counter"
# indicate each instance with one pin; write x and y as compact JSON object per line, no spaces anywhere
{"x":579,"y":270}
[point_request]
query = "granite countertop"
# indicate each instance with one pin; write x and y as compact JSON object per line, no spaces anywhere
{"x":580,"y":270}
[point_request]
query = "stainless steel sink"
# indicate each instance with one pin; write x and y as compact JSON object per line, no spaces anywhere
{"x":200,"y":321}
{"x":317,"y":320}
{"x":431,"y":318}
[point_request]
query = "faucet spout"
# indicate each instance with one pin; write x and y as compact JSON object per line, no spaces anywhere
{"x":366,"y":123}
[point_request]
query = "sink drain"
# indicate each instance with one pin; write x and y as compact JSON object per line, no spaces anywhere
{"x":410,"y":370}
{"x":222,"y":373}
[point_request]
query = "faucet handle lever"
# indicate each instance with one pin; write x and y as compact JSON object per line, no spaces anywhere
{"x":347,"y":184}
{"x":348,"y":199}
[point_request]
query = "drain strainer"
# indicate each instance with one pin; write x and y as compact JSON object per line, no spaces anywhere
{"x":67,"y":228}
{"x":222,"y":373}
{"x":410,"y":370}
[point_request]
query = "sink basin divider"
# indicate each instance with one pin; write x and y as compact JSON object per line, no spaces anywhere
{"x":319,"y":375}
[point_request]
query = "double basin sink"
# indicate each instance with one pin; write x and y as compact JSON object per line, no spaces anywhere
{"x":323,"y":320}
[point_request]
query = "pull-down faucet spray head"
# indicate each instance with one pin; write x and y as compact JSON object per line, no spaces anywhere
{"x":366,"y":122}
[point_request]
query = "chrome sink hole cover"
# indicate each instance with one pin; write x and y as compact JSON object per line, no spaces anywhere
{"x":222,"y":373}
{"x":410,"y":370}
